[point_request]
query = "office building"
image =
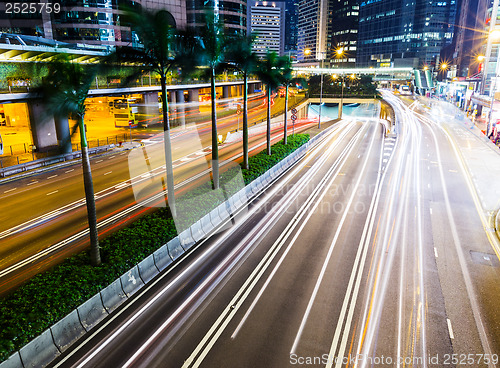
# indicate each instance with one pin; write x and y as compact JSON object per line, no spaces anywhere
{"x":267,"y":23}
{"x":404,"y":32}
{"x":312,"y":32}
{"x":343,"y":33}
{"x":90,"y":22}
{"x":233,"y":13}
{"x":291,"y":29}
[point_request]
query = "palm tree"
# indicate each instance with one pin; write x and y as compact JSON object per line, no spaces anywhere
{"x":213,"y":47}
{"x":63,"y":92}
{"x":163,"y":48}
{"x":272,"y":71}
{"x":241,"y":57}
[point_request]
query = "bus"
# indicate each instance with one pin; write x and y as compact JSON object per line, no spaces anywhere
{"x":404,"y":90}
{"x":124,"y":113}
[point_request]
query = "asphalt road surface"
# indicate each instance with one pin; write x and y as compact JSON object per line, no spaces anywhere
{"x":370,"y":252}
{"x":43,"y":217}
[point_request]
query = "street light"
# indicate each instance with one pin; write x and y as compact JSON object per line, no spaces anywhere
{"x":308,"y":52}
{"x":340,"y":53}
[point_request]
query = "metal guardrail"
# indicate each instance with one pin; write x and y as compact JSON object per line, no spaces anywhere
{"x":39,"y":163}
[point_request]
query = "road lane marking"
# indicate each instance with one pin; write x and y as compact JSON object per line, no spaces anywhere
{"x":456,"y":240}
{"x":55,"y":191}
{"x":453,"y":171}
{"x":435,"y":252}
{"x":329,"y":254}
{"x":51,"y":177}
{"x":328,"y":177}
{"x":112,"y":157}
{"x":10,"y":190}
{"x":196,"y":358}
{"x":33,"y":182}
{"x":450,"y":329}
{"x":109,"y":172}
{"x":193,"y":266}
{"x":69,"y":171}
{"x":99,"y":161}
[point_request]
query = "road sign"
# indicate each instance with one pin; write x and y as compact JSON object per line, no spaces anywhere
{"x":238,"y":110}
{"x":294,"y":111}
{"x":294,"y":117}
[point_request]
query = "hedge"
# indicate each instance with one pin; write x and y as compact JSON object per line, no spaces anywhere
{"x":49,"y":296}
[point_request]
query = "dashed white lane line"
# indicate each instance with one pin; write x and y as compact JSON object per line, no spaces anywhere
{"x":99,"y":161}
{"x":51,"y":177}
{"x":109,"y":172}
{"x":70,"y":171}
{"x":450,"y":329}
{"x":55,"y":191}
{"x":435,"y":252}
{"x":33,"y":182}
{"x":429,"y":185}
{"x":453,"y":171}
{"x":10,"y":190}
{"x":430,"y":210}
{"x":111,"y":157}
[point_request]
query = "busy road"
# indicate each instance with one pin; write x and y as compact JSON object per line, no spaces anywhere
{"x":370,"y":252}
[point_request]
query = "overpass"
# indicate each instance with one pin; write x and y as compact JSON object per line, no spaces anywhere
{"x":379,"y":74}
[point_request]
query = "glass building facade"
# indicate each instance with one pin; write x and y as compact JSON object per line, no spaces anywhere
{"x":233,"y":13}
{"x":92,"y":22}
{"x":404,"y":32}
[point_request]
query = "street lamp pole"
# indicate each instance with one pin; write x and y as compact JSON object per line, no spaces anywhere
{"x":341,"y":106}
{"x":320,"y":95}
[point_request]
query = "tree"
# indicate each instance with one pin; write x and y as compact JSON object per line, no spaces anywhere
{"x":162,"y":50}
{"x":63,"y":92}
{"x":241,"y":57}
{"x":213,"y":44}
{"x":272,"y":71}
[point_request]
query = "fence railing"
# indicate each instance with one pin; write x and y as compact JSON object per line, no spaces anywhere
{"x":22,"y":153}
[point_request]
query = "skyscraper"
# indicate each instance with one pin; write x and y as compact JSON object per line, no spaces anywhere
{"x":233,"y":13}
{"x":291,"y":29}
{"x":343,"y":32}
{"x":266,"y":20}
{"x":312,"y":31}
{"x":404,"y":32}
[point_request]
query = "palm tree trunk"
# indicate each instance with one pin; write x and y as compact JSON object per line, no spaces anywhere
{"x":286,"y":114}
{"x":268,"y":119}
{"x":245,"y":121}
{"x":215,"y":147}
{"x":167,"y":144}
{"x":95,"y":255}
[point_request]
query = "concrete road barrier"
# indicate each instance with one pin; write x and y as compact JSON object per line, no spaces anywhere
{"x":186,"y":239}
{"x":162,"y":257}
{"x":206,"y":224}
{"x":131,"y":281}
{"x":92,"y":312}
{"x":196,"y":231}
{"x":40,"y":351}
{"x":14,"y":361}
{"x":174,"y":248}
{"x":67,"y":331}
{"x":147,"y":268}
{"x":215,"y":218}
{"x":113,"y":296}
